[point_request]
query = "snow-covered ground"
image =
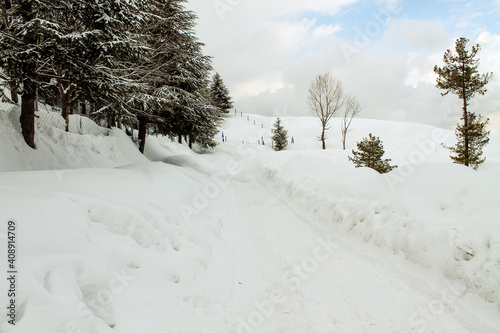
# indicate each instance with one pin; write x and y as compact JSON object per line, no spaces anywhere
{"x":246,"y":239}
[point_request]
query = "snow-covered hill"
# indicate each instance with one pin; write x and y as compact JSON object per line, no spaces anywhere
{"x":404,"y":142}
{"x":246,"y":239}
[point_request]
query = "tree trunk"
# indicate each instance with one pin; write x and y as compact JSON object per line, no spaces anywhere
{"x":65,"y":114}
{"x":28,"y":98}
{"x":119,"y":123}
{"x":466,"y":132}
{"x":84,"y":108}
{"x":323,"y":138}
{"x":143,"y":127}
{"x":28,"y":115}
{"x":66,"y":89}
{"x":179,"y":139}
{"x":5,"y":17}
{"x":13,"y":94}
{"x":111,"y":118}
{"x":190,"y":142}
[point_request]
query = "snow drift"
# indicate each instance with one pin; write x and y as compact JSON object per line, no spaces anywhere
{"x":442,"y":217}
{"x":110,"y":241}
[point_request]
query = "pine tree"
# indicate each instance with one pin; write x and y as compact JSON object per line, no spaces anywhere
{"x":369,"y":154}
{"x":280,"y":136}
{"x":478,"y":137}
{"x":136,"y":61}
{"x":219,"y":94}
{"x":73,"y":46}
{"x":90,"y":50}
{"x":207,"y":127}
{"x":21,"y":56}
{"x":460,"y":76}
{"x":175,"y":76}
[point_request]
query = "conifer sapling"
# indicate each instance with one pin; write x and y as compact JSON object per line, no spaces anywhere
{"x":369,"y":154}
{"x":280,"y":136}
{"x":219,"y":94}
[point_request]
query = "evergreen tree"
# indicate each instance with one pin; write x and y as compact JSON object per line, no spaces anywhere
{"x":369,"y":154}
{"x":91,"y":50}
{"x":66,"y":50}
{"x":478,"y":137}
{"x":21,"y":56}
{"x":207,"y":127}
{"x":175,"y":76}
{"x":280,"y":136}
{"x":460,"y":76}
{"x":219,"y":94}
{"x":138,"y":62}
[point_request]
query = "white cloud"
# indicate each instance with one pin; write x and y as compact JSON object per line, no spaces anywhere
{"x":421,"y":35}
{"x":266,"y":84}
{"x":326,"y":30}
{"x":268,"y":54}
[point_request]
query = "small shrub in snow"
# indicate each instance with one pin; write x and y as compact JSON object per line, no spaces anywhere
{"x":369,"y":154}
{"x":280,"y":136}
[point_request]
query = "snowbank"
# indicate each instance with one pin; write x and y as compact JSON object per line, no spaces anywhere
{"x":441,"y":216}
{"x":57,"y":149}
{"x":112,"y":242}
{"x":97,"y":245}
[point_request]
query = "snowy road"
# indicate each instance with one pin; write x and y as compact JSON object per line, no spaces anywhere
{"x":245,"y":262}
{"x":294,"y":275}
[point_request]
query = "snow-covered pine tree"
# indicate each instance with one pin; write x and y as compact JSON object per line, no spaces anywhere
{"x":177,"y":73}
{"x":280,"y":136}
{"x":369,"y":154}
{"x":74,"y":46}
{"x":91,"y":46}
{"x":478,"y":137}
{"x":207,"y":127}
{"x":219,"y":94}
{"x":21,"y":55}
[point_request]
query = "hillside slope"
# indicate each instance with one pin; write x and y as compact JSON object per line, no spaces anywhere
{"x":245,"y":239}
{"x":404,"y":142}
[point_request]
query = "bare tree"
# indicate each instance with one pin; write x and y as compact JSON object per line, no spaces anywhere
{"x":325,"y":100}
{"x":351,"y":109}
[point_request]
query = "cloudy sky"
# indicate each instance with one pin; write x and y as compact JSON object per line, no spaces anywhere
{"x":384,"y":51}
